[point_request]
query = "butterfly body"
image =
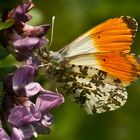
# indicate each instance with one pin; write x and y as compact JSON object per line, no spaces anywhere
{"x":95,"y":68}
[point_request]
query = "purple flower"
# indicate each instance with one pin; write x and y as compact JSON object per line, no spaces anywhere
{"x":3,"y":134}
{"x":26,"y":103}
{"x":20,"y":12}
{"x":28,"y":118}
{"x":22,"y":39}
{"x":22,"y":76}
{"x":35,"y":117}
{"x":33,"y":31}
{"x":28,"y":44}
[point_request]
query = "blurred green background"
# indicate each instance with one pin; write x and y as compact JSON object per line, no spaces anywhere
{"x":74,"y":17}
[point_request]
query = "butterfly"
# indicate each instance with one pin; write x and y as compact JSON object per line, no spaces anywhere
{"x":96,"y":67}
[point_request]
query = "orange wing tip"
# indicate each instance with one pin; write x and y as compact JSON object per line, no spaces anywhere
{"x":115,"y":34}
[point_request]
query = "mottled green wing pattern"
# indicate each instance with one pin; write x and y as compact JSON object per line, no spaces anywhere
{"x":97,"y":93}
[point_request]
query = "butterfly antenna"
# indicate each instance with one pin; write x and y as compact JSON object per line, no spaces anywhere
{"x":52,"y":31}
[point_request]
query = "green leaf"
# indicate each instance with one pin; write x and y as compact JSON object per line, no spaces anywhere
{"x":8,"y":23}
{"x":3,"y":52}
{"x":6,"y":70}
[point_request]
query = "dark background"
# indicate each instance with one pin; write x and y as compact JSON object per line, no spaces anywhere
{"x":74,"y":17}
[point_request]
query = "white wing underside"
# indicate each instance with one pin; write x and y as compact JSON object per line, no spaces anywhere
{"x":82,"y":45}
{"x":97,"y":92}
{"x":99,"y":99}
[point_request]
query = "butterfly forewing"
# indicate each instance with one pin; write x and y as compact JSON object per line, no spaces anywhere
{"x":115,"y":34}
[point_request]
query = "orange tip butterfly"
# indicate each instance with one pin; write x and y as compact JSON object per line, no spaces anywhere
{"x":96,"y":67}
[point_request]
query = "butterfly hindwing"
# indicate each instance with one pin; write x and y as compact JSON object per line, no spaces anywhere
{"x":98,"y":93}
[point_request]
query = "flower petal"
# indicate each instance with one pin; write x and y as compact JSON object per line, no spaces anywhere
{"x":35,"y":31}
{"x":28,"y":5}
{"x":16,"y":134}
{"x":32,"y":89}
{"x":27,"y":44}
{"x":40,"y":129}
{"x":24,"y":132}
{"x":22,"y":77}
{"x":19,"y":13}
{"x":28,"y":132}
{"x":47,"y":120}
{"x":48,"y":100}
{"x":35,"y":112}
{"x":20,"y":115}
{"x":3,"y":134}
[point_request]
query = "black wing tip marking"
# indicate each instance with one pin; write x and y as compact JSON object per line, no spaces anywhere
{"x":131,"y":22}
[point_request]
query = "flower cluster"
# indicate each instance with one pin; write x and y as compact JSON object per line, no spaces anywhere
{"x":25,"y":103}
{"x":22,"y":39}
{"x":27,"y":118}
